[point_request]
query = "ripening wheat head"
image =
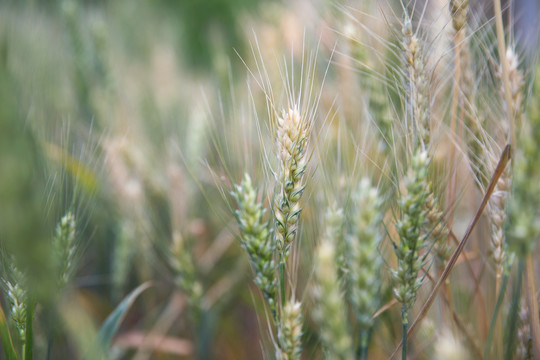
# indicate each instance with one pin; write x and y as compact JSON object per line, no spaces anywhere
{"x":292,"y":138}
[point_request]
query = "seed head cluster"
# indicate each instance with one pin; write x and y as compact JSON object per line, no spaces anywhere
{"x":365,"y":260}
{"x":292,"y":140}
{"x":64,"y":244}
{"x":330,"y":308}
{"x":458,"y":11}
{"x":409,"y":229}
{"x":417,"y":83}
{"x":290,"y":331}
{"x":256,"y":239}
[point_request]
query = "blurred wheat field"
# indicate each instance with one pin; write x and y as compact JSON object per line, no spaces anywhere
{"x":236,"y":179}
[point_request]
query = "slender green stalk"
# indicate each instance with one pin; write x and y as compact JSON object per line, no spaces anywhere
{"x":404,"y":327}
{"x":513,"y":314}
{"x":495,"y":316}
{"x":532,"y":303}
{"x":362,"y":351}
{"x":28,"y":349}
{"x":282,"y":277}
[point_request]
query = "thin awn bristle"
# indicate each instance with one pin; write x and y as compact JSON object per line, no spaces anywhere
{"x":464,"y":80}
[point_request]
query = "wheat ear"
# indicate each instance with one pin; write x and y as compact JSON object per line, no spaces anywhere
{"x":334,"y":230}
{"x":181,"y":261}
{"x":330,"y":311}
{"x":417,"y":83}
{"x":365,"y":261}
{"x":412,"y":239}
{"x":18,"y":300}
{"x":65,"y":247}
{"x":290,"y":331}
{"x":292,"y":141}
{"x":256,"y":239}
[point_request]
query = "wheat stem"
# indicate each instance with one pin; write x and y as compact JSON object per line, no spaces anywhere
{"x":404,"y":327}
{"x":532,"y":303}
